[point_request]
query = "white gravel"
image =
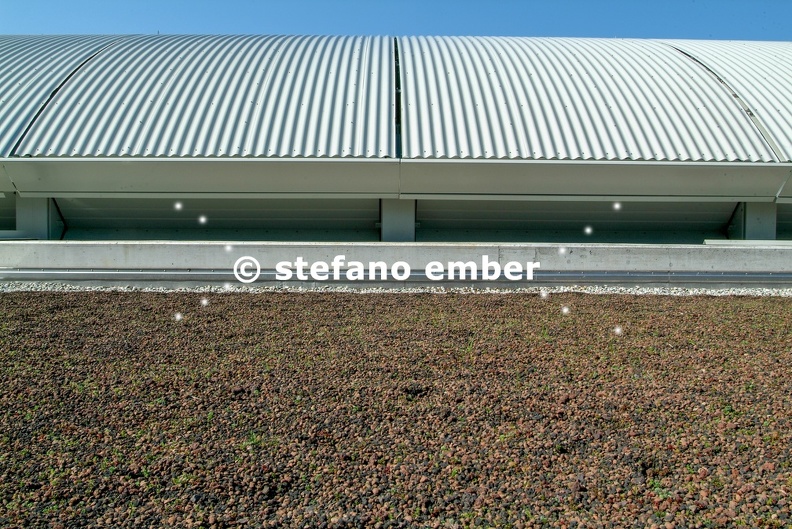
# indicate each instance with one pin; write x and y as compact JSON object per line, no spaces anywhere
{"x":35,"y":286}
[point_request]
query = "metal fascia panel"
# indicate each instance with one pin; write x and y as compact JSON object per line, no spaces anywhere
{"x":226,"y":96}
{"x":760,"y":73}
{"x":183,"y":177}
{"x":513,"y":178}
{"x":566,"y":99}
{"x":31,"y":68}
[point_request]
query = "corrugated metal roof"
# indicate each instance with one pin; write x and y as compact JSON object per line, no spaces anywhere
{"x":31,"y":67}
{"x":251,"y":96}
{"x":462,"y":97}
{"x":567,"y":99}
{"x":760,"y":73}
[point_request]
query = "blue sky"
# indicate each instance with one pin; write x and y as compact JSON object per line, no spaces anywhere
{"x":699,"y":19}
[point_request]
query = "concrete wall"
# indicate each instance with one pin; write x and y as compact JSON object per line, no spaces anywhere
{"x":207,"y":256}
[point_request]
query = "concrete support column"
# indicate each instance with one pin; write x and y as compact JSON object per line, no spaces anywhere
{"x":754,"y":221}
{"x":35,"y":218}
{"x":397,"y":220}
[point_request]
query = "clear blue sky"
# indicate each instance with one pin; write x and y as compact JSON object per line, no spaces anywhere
{"x":698,"y":19}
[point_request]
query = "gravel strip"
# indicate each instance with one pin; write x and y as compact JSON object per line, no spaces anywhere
{"x":204,"y":409}
{"x":28,"y":286}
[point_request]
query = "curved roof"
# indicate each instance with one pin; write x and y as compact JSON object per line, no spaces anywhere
{"x":567,"y":99}
{"x":461,"y":98}
{"x":31,"y":68}
{"x":760,"y":73}
{"x":239,"y":96}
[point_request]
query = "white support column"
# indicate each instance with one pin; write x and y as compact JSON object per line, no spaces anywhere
{"x":754,"y":221}
{"x":35,"y":218}
{"x":397,"y":219}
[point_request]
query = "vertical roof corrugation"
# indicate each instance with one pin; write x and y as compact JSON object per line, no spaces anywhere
{"x":760,"y":74}
{"x":241,"y":96}
{"x":567,"y":99}
{"x":31,"y":68}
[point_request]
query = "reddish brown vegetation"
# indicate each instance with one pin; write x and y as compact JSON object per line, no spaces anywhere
{"x":394,"y":410}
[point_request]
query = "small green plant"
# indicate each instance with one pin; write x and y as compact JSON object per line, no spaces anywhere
{"x":469,"y":346}
{"x":259,"y":440}
{"x":660,"y":491}
{"x":183,"y":479}
{"x":253,"y":439}
{"x":729,"y":411}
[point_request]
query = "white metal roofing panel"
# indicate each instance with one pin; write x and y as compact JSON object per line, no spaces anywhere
{"x":31,"y":68}
{"x":217,"y":96}
{"x":760,"y":73}
{"x":567,"y":99}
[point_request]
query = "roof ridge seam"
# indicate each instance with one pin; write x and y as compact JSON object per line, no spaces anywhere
{"x":397,"y":110}
{"x":13,"y":152}
{"x":766,"y":136}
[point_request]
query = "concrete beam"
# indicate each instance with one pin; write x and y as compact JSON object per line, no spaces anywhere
{"x":36,"y":218}
{"x":753,"y":221}
{"x":397,"y":219}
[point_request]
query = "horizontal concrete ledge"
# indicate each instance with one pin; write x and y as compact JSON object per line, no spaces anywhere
{"x":751,"y":243}
{"x":578,"y":263}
